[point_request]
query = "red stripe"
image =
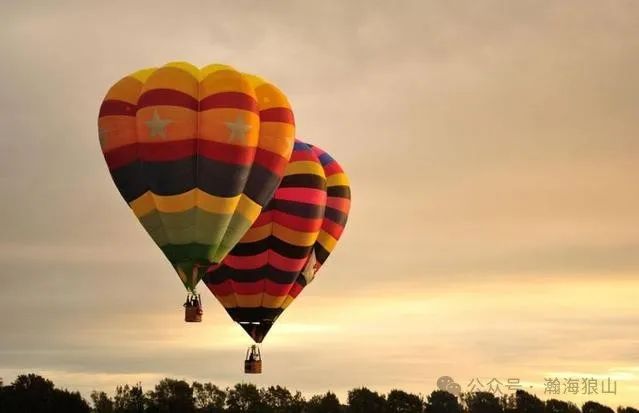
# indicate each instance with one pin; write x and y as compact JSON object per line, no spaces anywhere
{"x":170,"y":97}
{"x":214,"y":267}
{"x":295,"y":290}
{"x":271,"y":161}
{"x":283,"y":263}
{"x":121,"y":156}
{"x":332,"y":228}
{"x":166,"y":151}
{"x":283,"y":115}
{"x":224,"y":288}
{"x":341,"y":204}
{"x":174,"y":150}
{"x":247,"y":262}
{"x":256,"y":287}
{"x":117,"y":108}
{"x":264,"y":218}
{"x":318,"y":151}
{"x":224,"y":152}
{"x":297,"y":223}
{"x":235,"y":100}
{"x":277,"y":290}
{"x":303,"y":155}
{"x":332,"y":169}
{"x":306,"y":195}
{"x":230,"y":287}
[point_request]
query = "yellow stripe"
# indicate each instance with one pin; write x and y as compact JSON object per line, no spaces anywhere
{"x":249,"y":300}
{"x":299,"y":238}
{"x":248,"y":208}
{"x":326,"y":240}
{"x":255,"y":300}
{"x":143,"y":205}
{"x":215,"y":67}
{"x":187,"y":67}
{"x":271,"y":301}
{"x":257,"y":233}
{"x":218,"y":79}
{"x":172,"y":77}
{"x":143,"y":74}
{"x":148,"y":202}
{"x":337,"y":180}
{"x":268,"y":95}
{"x":277,"y":137}
{"x":289,"y":299}
{"x":227,"y":301}
{"x":216,"y":204}
{"x":126,"y":89}
{"x":304,"y":167}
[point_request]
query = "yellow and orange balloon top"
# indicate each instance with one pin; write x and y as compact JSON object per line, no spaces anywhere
{"x":196,"y":153}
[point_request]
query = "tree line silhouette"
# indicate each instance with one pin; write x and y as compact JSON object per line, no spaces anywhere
{"x":34,"y":394}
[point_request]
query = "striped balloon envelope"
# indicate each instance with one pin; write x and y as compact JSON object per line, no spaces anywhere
{"x":196,"y":154}
{"x":286,"y":245}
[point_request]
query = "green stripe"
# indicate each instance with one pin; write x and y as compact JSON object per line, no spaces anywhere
{"x":234,"y":233}
{"x":189,"y":279}
{"x":193,"y":225}
{"x":194,"y":237}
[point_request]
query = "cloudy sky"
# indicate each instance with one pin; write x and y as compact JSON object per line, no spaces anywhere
{"x":492,"y":149}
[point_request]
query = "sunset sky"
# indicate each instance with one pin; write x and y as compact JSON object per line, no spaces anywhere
{"x":493,"y":151}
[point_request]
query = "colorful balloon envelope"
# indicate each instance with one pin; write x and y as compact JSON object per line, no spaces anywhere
{"x":287,"y":244}
{"x":196,"y":153}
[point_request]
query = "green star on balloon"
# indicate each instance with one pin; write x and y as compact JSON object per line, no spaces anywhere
{"x":157,"y":125}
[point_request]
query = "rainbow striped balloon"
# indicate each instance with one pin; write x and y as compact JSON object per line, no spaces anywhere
{"x":196,"y":153}
{"x":286,"y":245}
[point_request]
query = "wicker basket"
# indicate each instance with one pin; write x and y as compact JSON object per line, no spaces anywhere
{"x":193,"y":314}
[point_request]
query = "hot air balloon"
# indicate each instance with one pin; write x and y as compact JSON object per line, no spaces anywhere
{"x":290,"y":240}
{"x":196,"y":154}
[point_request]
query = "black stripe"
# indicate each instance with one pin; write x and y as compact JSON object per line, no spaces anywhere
{"x":301,"y":281}
{"x":254,"y":314}
{"x":320,"y":253}
{"x":261,"y":184}
{"x":270,"y":243}
{"x":266,"y":272}
{"x":303,"y":181}
{"x":250,"y":248}
{"x":339,"y":191}
{"x":336,"y":216}
{"x":289,"y":250}
{"x":176,"y":177}
{"x":128,"y":181}
{"x":300,"y":209}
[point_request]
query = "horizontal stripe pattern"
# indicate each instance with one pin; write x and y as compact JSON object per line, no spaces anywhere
{"x":262,"y":269}
{"x":197,"y":154}
{"x":266,"y":271}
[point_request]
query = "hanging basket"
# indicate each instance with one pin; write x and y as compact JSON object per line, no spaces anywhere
{"x":193,"y":314}
{"x":253,"y":366}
